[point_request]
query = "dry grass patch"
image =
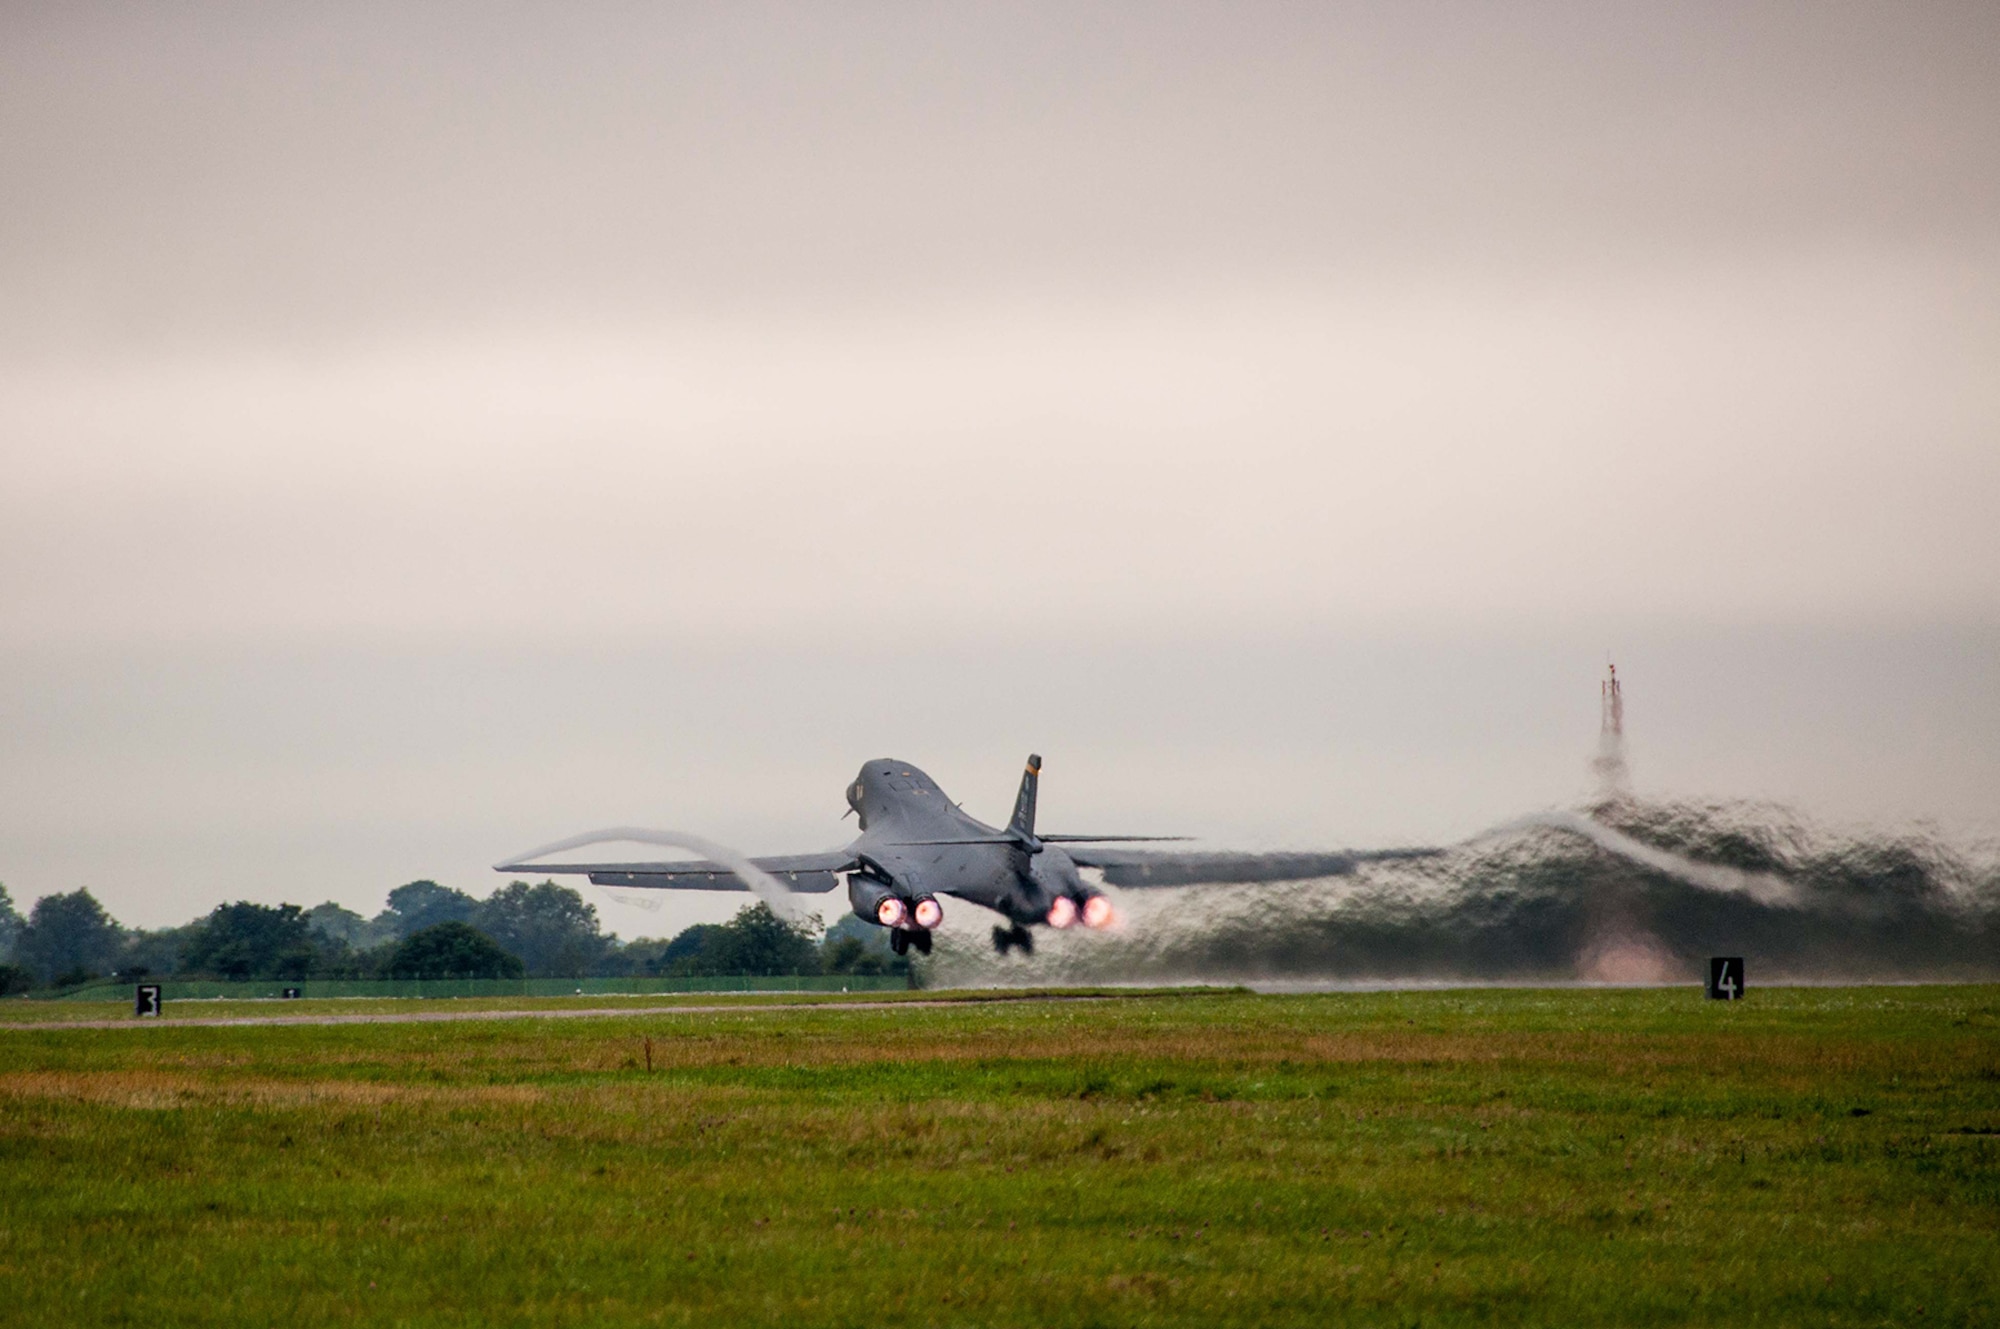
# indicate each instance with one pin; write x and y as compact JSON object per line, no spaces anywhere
{"x":155,"y":1089}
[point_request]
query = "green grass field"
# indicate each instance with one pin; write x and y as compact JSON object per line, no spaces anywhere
{"x":1809,"y":1156}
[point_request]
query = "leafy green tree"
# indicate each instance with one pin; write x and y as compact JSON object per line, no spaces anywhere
{"x":10,"y":926}
{"x":687,"y":944}
{"x":550,"y":927}
{"x":854,"y":946}
{"x":451,"y":950}
{"x":849,"y":955}
{"x":245,"y":940}
{"x":337,"y":924}
{"x":156,"y":951}
{"x":69,"y":936}
{"x":423,"y":904}
{"x":339,"y":961}
{"x":755,"y":942}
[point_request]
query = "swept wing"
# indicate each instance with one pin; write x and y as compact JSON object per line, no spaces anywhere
{"x":723,"y":870}
{"x":1145,"y":867}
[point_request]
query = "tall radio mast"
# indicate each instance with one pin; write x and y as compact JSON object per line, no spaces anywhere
{"x":1610,"y":761}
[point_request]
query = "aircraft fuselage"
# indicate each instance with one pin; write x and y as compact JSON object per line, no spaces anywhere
{"x":916,"y":845}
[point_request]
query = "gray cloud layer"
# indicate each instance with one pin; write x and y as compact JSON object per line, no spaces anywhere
{"x":1270,"y":311}
{"x":292,"y":171}
{"x":472,"y":330}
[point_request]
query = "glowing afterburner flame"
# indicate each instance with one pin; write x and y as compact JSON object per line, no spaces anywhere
{"x":929,"y":913}
{"x":1063,"y":912}
{"x":890,"y":913}
{"x":1097,"y":912}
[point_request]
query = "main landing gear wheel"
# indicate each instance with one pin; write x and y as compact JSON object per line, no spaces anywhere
{"x":900,"y":940}
{"x":1005,"y":939}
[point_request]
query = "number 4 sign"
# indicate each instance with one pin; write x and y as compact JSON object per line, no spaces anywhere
{"x":1725,"y":978}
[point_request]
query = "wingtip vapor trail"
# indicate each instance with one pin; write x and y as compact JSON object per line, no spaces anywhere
{"x":767,"y":887}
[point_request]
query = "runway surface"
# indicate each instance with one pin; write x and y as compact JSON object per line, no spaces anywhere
{"x":593,"y":1012}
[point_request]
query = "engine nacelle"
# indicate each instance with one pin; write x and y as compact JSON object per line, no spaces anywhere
{"x":876,"y":900}
{"x":1056,"y":893}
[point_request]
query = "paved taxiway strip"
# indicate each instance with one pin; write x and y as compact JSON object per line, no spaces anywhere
{"x":448,"y":1017}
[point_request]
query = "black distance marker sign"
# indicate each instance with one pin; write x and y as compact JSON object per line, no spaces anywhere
{"x":1725,"y":978}
{"x":146,"y":999}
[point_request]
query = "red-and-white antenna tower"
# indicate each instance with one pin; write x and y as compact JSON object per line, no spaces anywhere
{"x":1610,"y":760}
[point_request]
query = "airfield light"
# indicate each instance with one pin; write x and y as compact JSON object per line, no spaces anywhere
{"x":890,"y":912}
{"x":1097,"y":912}
{"x":929,"y":913}
{"x":1063,"y":912}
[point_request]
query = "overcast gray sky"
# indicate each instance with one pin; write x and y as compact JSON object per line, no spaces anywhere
{"x":429,"y":430}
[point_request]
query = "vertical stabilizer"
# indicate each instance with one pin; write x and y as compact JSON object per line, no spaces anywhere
{"x":1023,"y":820}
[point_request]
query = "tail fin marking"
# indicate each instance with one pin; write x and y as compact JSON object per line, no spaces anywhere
{"x":1023,"y":821}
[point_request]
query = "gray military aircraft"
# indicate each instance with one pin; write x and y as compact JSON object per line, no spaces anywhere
{"x":916,"y":845}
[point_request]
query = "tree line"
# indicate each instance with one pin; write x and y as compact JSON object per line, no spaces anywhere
{"x":425,"y":931}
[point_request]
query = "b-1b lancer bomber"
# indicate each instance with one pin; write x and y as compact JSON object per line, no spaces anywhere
{"x":917,"y":845}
